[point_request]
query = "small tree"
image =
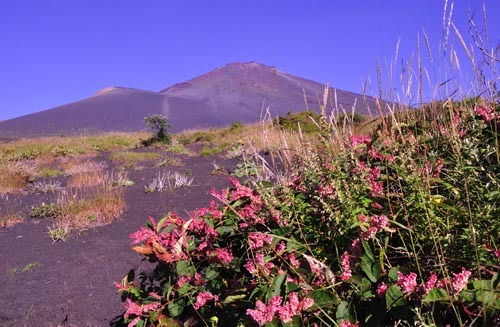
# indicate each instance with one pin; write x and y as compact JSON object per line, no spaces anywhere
{"x":161,"y":126}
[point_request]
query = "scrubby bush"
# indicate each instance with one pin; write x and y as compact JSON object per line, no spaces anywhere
{"x":397,"y":227}
{"x":160,"y":125}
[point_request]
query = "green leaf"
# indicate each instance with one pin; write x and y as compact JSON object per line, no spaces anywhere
{"x":274,"y":323}
{"x":495,"y":280}
{"x":368,"y":264}
{"x":184,"y":269}
{"x":489,"y":298}
{"x":223,"y":230}
{"x":436,"y":295}
{"x":343,"y":311}
{"x":175,"y":308}
{"x":135,"y":292}
{"x":372,"y":270}
{"x":160,"y":223}
{"x":290,"y":287}
{"x":364,"y":285}
{"x":276,"y":286}
{"x":211,"y":273}
{"x":481,"y":284}
{"x":367,"y":254}
{"x":393,"y":274}
{"x":394,"y":297}
{"x":323,"y":299}
{"x":234,"y":298}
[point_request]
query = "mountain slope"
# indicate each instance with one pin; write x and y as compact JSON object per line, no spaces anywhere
{"x":235,"y":92}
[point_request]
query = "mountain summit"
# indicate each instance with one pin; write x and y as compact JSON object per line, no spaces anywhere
{"x":234,"y":92}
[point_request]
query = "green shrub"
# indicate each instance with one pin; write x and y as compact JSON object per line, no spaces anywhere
{"x":160,"y":125}
{"x":399,"y":227}
{"x":44,"y":210}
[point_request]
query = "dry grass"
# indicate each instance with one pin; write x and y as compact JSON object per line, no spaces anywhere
{"x":15,"y":176}
{"x":55,"y":146}
{"x":8,"y":215}
{"x":82,"y":208}
{"x":25,"y":159}
{"x":10,"y":220}
{"x":130,"y":159}
{"x":86,"y":173}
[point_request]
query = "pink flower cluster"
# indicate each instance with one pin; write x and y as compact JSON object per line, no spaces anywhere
{"x":203,"y":297}
{"x":197,"y":280}
{"x":372,"y":225}
{"x":360,"y":140}
{"x":241,"y":191}
{"x":376,"y":187}
{"x":257,"y":240}
{"x":486,"y":113}
{"x":407,"y":282}
{"x":132,"y":308}
{"x":460,"y":280}
{"x":259,"y":263}
{"x":212,"y":210}
{"x":347,"y":323}
{"x":345,"y":263}
{"x":381,"y":289}
{"x":430,"y":283}
{"x":293,"y":307}
{"x":224,"y":255}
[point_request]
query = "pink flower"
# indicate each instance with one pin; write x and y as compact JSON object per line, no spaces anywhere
{"x":281,"y":247}
{"x":122,"y":287}
{"x":141,"y":235}
{"x":202,"y":246}
{"x":360,"y":139}
{"x":241,"y":191}
{"x":374,"y":154}
{"x":347,"y":323}
{"x":430,"y":284}
{"x":251,"y":265}
{"x":460,"y":280}
{"x":222,"y":196}
{"x":293,"y":261}
{"x":182,"y":280}
{"x":380,"y":222}
{"x":203,"y":298}
{"x":437,"y":168}
{"x":264,"y":314}
{"x":485,"y":112}
{"x":375,"y":224}
{"x":356,"y":248}
{"x":290,"y":308}
{"x":257,"y":240}
{"x":135,"y":309}
{"x":376,"y":188}
{"x":346,"y":266}
{"x":294,"y":307}
{"x":369,"y":234}
{"x":381,"y":289}
{"x":408,"y":282}
{"x":200,"y":226}
{"x":224,"y":255}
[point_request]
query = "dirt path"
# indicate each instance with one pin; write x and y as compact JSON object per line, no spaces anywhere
{"x":71,"y":283}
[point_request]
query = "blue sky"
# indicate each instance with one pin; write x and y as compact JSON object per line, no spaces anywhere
{"x":55,"y":51}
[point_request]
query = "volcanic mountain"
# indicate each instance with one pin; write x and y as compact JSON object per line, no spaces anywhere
{"x":235,"y":92}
